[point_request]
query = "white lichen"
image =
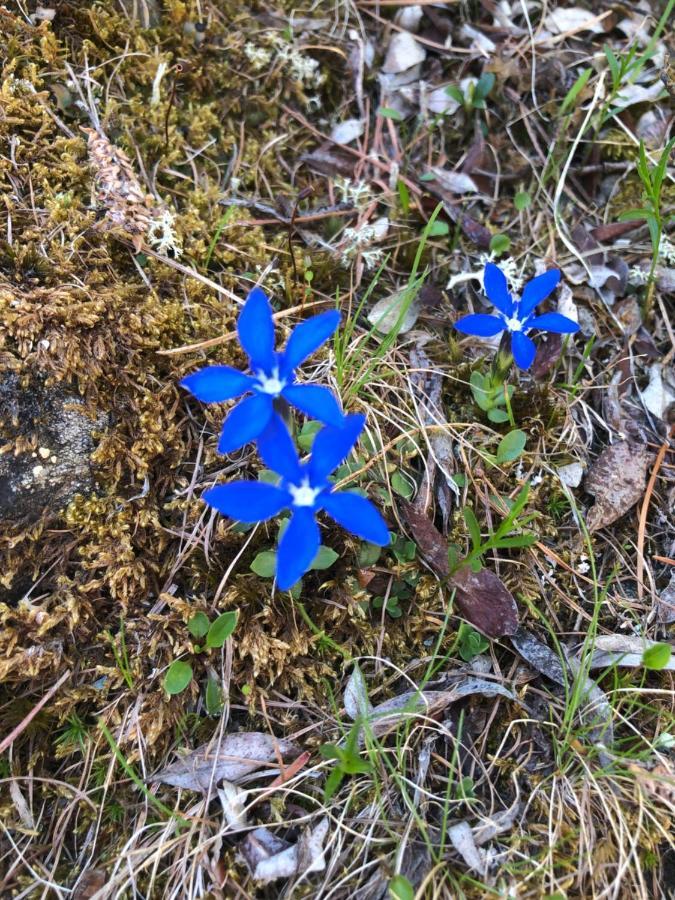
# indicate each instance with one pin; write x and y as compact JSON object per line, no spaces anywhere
{"x":161,"y":234}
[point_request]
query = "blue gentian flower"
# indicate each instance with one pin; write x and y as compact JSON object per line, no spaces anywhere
{"x":272,"y":374}
{"x":304,"y":489}
{"x":517,"y":316}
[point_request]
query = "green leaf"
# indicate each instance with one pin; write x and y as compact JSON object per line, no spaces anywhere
{"x":453,"y":91}
{"x":499,"y":416}
{"x":401,"y":889}
{"x":222,"y":628}
{"x":473,"y":526}
{"x":657,"y":656}
{"x":213,"y":697}
{"x":178,"y":677}
{"x":324,"y":559}
{"x":511,"y":446}
{"x":401,"y":485}
{"x":630,"y":214}
{"x":268,"y":476}
{"x":500,"y":243}
{"x":522,"y":200}
{"x":403,"y":196}
{"x":471,"y":643}
{"x":575,"y":90}
{"x":198,"y":625}
{"x":478,"y":389}
{"x":368,"y":554}
{"x":483,"y":86}
{"x":264,"y":564}
{"x":389,"y":113}
{"x":307,"y":435}
{"x":614,"y":66}
{"x":439,"y":229}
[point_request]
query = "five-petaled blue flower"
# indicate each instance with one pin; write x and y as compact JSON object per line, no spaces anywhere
{"x":304,"y":489}
{"x":273,"y":374}
{"x":517,"y":316}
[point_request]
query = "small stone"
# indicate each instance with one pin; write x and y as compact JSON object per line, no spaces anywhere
{"x":44,"y":452}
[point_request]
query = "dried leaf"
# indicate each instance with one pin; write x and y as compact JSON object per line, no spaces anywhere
{"x":455,"y":182}
{"x":386,"y":313}
{"x":665,"y":604}
{"x":622,"y":650}
{"x":596,"y":712}
{"x":617,"y":479}
{"x":574,"y":18}
{"x":461,"y":837}
{"x":630,"y":94}
{"x":403,"y":53}
{"x":237,"y":756}
{"x":485,"y":602}
{"x":432,"y":544}
{"x":356,"y":695}
{"x":90,"y":882}
{"x":347,"y":131}
{"x":270,"y":858}
{"x":659,"y":393}
{"x":233,"y":801}
{"x":571,"y":474}
{"x":387,"y":715}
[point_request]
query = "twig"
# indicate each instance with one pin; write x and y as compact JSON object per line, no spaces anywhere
{"x":663,"y":449}
{"x":13,"y":735}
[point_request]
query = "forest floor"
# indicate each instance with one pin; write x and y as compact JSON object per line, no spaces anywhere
{"x":483,"y":708}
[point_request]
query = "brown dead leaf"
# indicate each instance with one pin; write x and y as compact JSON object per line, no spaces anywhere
{"x":484,"y":600}
{"x":481,"y":597}
{"x":432,"y":544}
{"x":90,"y":882}
{"x":237,"y":756}
{"x":617,"y":480}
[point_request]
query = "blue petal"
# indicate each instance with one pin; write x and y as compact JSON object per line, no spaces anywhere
{"x":247,"y":501}
{"x":537,"y":290}
{"x":497,"y":289}
{"x":553,"y":321}
{"x":481,"y":324}
{"x":523,"y":349}
{"x":256,"y":330}
{"x":332,"y":445}
{"x":308,"y":337}
{"x":297,"y":548}
{"x":247,"y":420}
{"x":357,"y":515}
{"x":315,"y":401}
{"x":217,"y":383}
{"x":278,"y":452}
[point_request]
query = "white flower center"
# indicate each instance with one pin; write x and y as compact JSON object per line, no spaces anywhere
{"x":514,"y":324}
{"x":303,"y":494}
{"x":270,"y":384}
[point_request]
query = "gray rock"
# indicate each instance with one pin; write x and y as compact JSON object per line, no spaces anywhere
{"x":46,"y":441}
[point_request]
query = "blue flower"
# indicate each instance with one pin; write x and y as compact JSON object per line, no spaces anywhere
{"x":517,"y":316}
{"x":304,"y":489}
{"x":273,"y":374}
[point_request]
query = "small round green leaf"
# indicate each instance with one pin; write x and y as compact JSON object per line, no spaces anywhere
{"x":522,"y":200}
{"x":178,"y":677}
{"x":500,"y":243}
{"x":657,"y":656}
{"x":324,"y":559}
{"x":511,"y":446}
{"x":222,"y":628}
{"x":401,"y":485}
{"x":264,"y":564}
{"x":198,"y":625}
{"x":401,"y":889}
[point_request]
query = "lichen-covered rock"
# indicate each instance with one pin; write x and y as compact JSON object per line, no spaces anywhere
{"x":47,"y":441}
